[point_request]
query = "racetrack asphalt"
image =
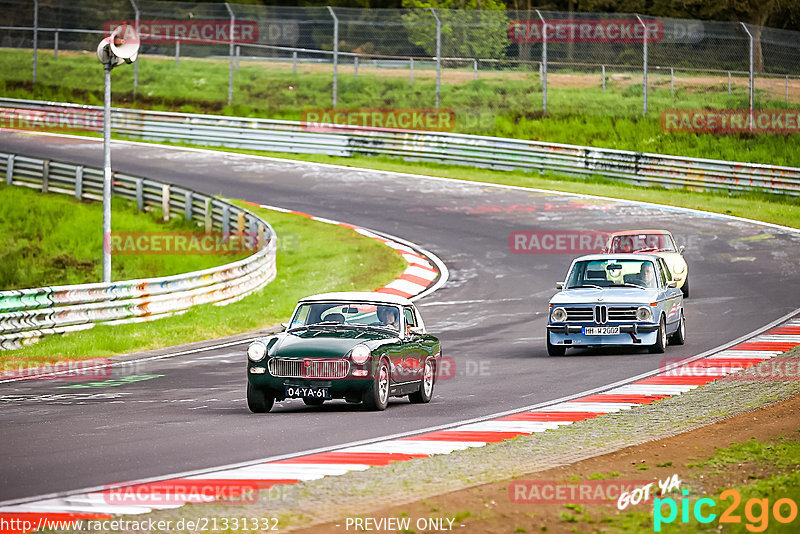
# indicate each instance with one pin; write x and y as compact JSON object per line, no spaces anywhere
{"x":189,"y":412}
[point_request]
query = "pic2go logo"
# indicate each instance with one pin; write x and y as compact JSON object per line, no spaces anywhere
{"x":756,"y":511}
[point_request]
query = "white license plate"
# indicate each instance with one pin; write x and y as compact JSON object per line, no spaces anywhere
{"x":304,"y":392}
{"x":600,"y":330}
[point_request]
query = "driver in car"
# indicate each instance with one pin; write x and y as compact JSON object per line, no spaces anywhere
{"x":646,"y":277}
{"x":388,"y":316}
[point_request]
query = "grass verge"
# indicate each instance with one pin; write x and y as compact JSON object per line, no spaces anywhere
{"x":54,"y":239}
{"x":313,"y":257}
{"x":505,"y":104}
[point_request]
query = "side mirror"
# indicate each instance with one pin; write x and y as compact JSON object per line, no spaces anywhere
{"x":672,"y":283}
{"x":681,"y":249}
{"x":559,"y":285}
{"x":285,"y":326}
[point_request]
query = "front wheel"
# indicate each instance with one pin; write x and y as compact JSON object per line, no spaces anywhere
{"x":377,"y":396}
{"x":685,"y":288}
{"x":425,"y":393}
{"x":555,"y":350}
{"x":679,"y":337}
{"x":661,"y":339}
{"x":259,"y":400}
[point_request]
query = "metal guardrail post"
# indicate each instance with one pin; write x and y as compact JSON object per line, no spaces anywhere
{"x":177,"y":51}
{"x":135,"y":63}
{"x":752,"y":81}
{"x":240,"y":223}
{"x":55,"y":45}
{"x":35,"y":37}
{"x":79,"y":182}
{"x":45,"y":175}
{"x":672,"y":82}
{"x":139,"y":194}
{"x":411,"y":70}
{"x":438,"y":56}
{"x":188,"y":206}
{"x":335,"y":55}
{"x":10,"y":170}
{"x":238,"y":55}
{"x":475,"y":68}
{"x":230,"y":54}
{"x":165,"y":202}
{"x":544,"y":63}
{"x":226,"y":220}
{"x":644,"y":66}
{"x":208,"y":216}
{"x":294,"y":62}
{"x":355,"y":68}
{"x":787,"y":89}
{"x":603,"y":74}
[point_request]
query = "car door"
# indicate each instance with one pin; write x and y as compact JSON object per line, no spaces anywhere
{"x":413,"y":354}
{"x":672,"y":296}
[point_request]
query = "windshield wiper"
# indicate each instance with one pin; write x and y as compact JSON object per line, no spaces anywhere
{"x":383,"y":328}
{"x":585,"y":285}
{"x":629,"y":285}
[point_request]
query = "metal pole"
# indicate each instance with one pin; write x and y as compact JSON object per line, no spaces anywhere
{"x":672,"y":81}
{"x":335,"y":55}
{"x":177,"y":51}
{"x":35,"y":36}
{"x":135,"y":63}
{"x":787,"y":88}
{"x":355,"y":67}
{"x":750,"y":35}
{"x":55,"y":45}
{"x":238,"y":53}
{"x":438,"y":55}
{"x":603,"y":67}
{"x":411,"y":70}
{"x":644,"y":67}
{"x":107,"y":176}
{"x":230,"y":55}
{"x":544,"y":63}
{"x":294,"y":62}
{"x":475,"y":69}
{"x":729,"y":82}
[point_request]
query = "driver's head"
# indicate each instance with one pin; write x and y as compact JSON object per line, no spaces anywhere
{"x":387,"y":314}
{"x":646,"y":271}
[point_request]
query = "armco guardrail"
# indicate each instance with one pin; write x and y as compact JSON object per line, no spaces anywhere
{"x":477,"y":151}
{"x":28,"y":314}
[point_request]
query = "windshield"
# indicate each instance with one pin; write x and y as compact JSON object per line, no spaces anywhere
{"x":612,"y":273}
{"x":621,"y":244}
{"x":347,"y":313}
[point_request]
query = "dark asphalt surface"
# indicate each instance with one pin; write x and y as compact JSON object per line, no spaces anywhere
{"x":189,"y":412}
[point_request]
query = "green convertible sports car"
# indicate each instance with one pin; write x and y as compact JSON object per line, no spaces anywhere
{"x":361,"y":347}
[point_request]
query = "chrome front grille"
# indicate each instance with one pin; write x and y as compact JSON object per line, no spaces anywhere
{"x":580,"y":314}
{"x":601,"y":314}
{"x":295,"y":368}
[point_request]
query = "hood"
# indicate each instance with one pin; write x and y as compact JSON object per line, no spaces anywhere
{"x":325,"y":343}
{"x":621,"y":295}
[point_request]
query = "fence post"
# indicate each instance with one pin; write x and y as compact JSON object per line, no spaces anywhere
{"x":139,"y":194}
{"x":787,"y":88}
{"x":177,"y":51}
{"x":79,"y":182}
{"x":251,"y":241}
{"x":294,"y":62}
{"x":226,"y":221}
{"x":230,"y":54}
{"x":208,"y":216}
{"x":544,"y":63}
{"x":165,"y":201}
{"x":750,"y":35}
{"x":644,"y":67}
{"x":135,"y":63}
{"x":35,"y":36}
{"x":45,"y":175}
{"x":260,"y":236}
{"x":10,"y":169}
{"x":438,"y":55}
{"x":475,"y":68}
{"x":729,"y":82}
{"x":411,"y":70}
{"x":238,"y":53}
{"x":355,"y":67}
{"x":240,"y":223}
{"x":335,"y":55}
{"x":55,"y":45}
{"x":188,"y":204}
{"x":672,"y":81}
{"x":603,"y":67}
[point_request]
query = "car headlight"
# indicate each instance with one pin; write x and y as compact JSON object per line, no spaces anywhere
{"x":559,"y":315}
{"x":360,"y":354}
{"x":256,"y":351}
{"x":680,"y":268}
{"x":643,"y":313}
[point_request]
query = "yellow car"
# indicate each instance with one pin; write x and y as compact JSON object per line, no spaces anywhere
{"x":655,"y":242}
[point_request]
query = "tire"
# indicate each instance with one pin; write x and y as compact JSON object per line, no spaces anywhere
{"x":679,"y":337}
{"x":313,"y":402}
{"x":685,"y":288}
{"x":259,"y":400}
{"x":425,"y":393}
{"x":377,"y":396}
{"x":661,"y":339}
{"x":555,"y":350}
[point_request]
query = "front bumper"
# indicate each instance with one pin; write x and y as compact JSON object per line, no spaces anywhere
{"x":634,"y":328}
{"x":635,"y":334}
